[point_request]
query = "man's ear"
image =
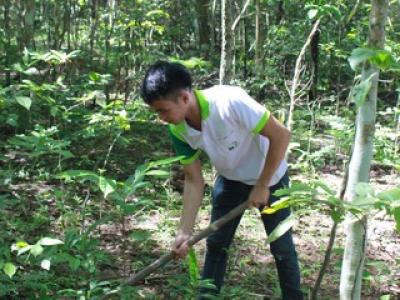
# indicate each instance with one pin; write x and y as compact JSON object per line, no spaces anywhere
{"x":185,"y":94}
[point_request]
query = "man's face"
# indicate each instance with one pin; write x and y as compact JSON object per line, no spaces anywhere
{"x":172,"y":109}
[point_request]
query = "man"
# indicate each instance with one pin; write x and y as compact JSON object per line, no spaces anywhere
{"x":245,"y":143}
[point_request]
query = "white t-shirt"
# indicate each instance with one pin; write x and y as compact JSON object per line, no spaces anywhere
{"x":230,"y":124}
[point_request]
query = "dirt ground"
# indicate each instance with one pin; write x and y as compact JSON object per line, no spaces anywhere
{"x":251,"y":266}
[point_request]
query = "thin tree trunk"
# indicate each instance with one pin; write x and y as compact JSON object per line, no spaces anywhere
{"x":314,"y":49}
{"x":225,"y":70}
{"x":245,"y":47}
{"x":126,"y":65}
{"x":29,"y":23}
{"x":213,"y":21}
{"x":258,"y":40}
{"x":296,"y":77}
{"x":204,"y":29}
{"x":359,"y":168}
{"x":280,"y":12}
{"x":110,"y":30}
{"x":7,"y":45}
{"x":93,"y":25}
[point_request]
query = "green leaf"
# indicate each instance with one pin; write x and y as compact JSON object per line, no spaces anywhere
{"x":25,"y":249}
{"x":105,"y":186}
{"x":193,"y":267}
{"x":161,"y":173}
{"x":391,"y":195}
{"x":9,"y":269}
{"x":359,"y":56}
{"x":82,"y":174}
{"x":396,"y":214}
{"x":360,"y":91}
{"x":165,"y":161}
{"x":94,"y":76}
{"x":331,"y":10}
{"x":36,"y":250}
{"x":312,"y":13}
{"x":24,"y":101}
{"x":337,"y":215}
{"x":383,"y":59}
{"x":46,"y":241}
{"x":74,"y":263}
{"x":45,"y":264}
{"x":282,"y":228}
{"x":363,"y":189}
{"x":277,"y":205}
{"x":325,"y":187}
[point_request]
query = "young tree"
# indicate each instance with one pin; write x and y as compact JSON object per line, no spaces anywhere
{"x":353,"y":260}
{"x":226,"y":67}
{"x":203,"y":23}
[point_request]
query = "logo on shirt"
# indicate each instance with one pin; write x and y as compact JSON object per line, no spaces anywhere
{"x":233,"y":145}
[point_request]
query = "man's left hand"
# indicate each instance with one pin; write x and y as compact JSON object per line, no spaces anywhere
{"x":259,"y":196}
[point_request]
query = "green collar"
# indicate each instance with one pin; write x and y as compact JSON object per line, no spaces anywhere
{"x":180,"y":129}
{"x":203,"y":103}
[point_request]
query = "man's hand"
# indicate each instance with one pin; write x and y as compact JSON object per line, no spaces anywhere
{"x":259,"y":196}
{"x":180,"y":247}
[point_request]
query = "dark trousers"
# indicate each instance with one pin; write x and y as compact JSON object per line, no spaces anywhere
{"x":227,"y":194}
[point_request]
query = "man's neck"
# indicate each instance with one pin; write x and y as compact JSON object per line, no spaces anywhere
{"x":193,"y":118}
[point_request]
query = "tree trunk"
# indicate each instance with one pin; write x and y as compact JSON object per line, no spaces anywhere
{"x":93,"y":25}
{"x":280,"y":12}
{"x":110,"y":30}
{"x":258,"y":40}
{"x":314,"y":48}
{"x":204,"y":29}
{"x":354,"y":254}
{"x":7,"y":44}
{"x":225,"y":71}
{"x":29,"y":23}
{"x":245,"y":46}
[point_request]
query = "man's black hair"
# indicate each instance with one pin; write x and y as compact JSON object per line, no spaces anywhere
{"x":163,"y":79}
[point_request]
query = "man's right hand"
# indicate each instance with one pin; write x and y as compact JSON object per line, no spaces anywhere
{"x":180,"y":247}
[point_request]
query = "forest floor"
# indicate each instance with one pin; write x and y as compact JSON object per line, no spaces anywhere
{"x":251,"y":270}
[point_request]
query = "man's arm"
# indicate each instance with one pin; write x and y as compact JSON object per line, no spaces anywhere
{"x":279,"y":137}
{"x":192,"y":197}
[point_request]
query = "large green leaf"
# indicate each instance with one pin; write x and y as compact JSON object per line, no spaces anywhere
{"x":360,"y":92}
{"x":359,"y":56}
{"x":106,"y":186}
{"x":165,"y":161}
{"x":312,"y":13}
{"x":46,"y":241}
{"x":36,"y":249}
{"x":391,"y":195}
{"x":277,"y":205}
{"x":24,"y":101}
{"x":193,"y":267}
{"x":83,"y":174}
{"x":396,"y":213}
{"x":9,"y":269}
{"x":382,"y":59}
{"x":282,"y":228}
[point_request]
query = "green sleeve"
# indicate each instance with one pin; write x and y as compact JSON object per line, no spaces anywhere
{"x":183,"y":148}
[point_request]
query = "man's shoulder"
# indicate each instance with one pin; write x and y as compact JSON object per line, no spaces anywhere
{"x":222,"y":95}
{"x":223,"y":90}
